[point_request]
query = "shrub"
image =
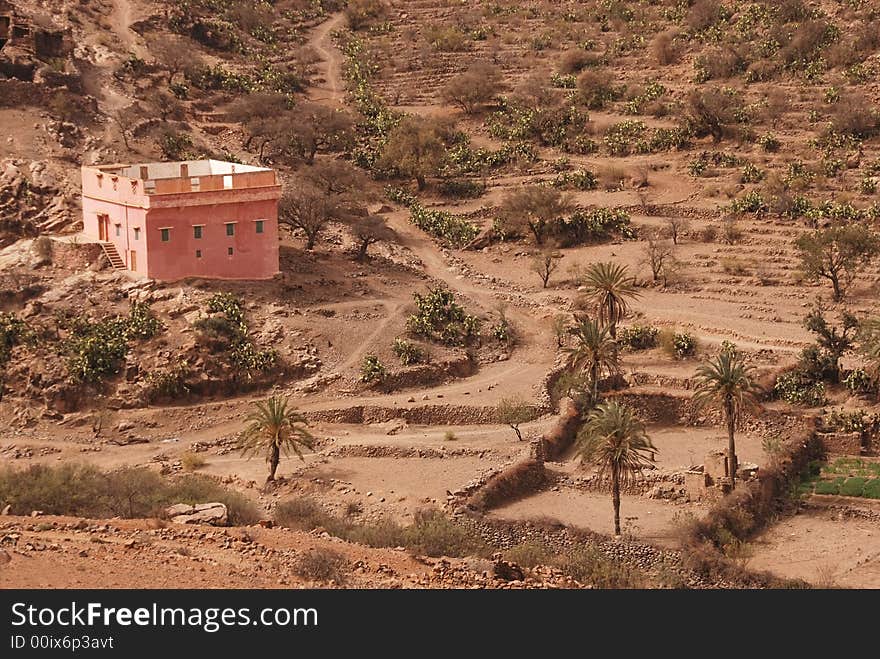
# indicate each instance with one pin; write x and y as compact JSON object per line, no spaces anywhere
{"x":590,"y":567}
{"x":434,"y":534}
{"x":372,"y":369}
{"x":595,"y":224}
{"x":440,"y":318}
{"x":529,"y":554}
{"x":859,"y":382}
{"x":13,"y":332}
{"x":462,"y":189}
{"x":678,"y":345}
{"x":131,"y":492}
{"x":638,"y":337}
{"x":596,"y":89}
{"x":452,"y":229}
{"x":408,"y":353}
{"x":192,"y":461}
{"x":302,"y":514}
{"x":798,"y":389}
{"x":321,"y":565}
{"x":665,"y":49}
{"x":769,"y":142}
{"x":94,"y":349}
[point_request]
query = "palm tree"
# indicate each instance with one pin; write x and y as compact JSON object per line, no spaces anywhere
{"x":611,"y":289}
{"x":615,"y":441}
{"x":594,"y":352}
{"x":274,"y":427}
{"x":727,"y":381}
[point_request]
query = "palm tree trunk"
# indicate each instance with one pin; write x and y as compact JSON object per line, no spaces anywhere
{"x":731,"y":444}
{"x":274,"y":458}
{"x":615,"y":498}
{"x":594,"y":376}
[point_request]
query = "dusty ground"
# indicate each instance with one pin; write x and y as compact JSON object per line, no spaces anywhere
{"x":337,"y":310}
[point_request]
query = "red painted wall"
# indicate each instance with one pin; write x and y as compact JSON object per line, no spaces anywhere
{"x":254,"y":255}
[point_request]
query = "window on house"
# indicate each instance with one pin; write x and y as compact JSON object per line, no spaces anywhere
{"x":118,"y":229}
{"x":166,"y":235}
{"x":227,"y":182}
{"x":198,"y":253}
{"x":229,"y":251}
{"x":137,"y":233}
{"x":230,"y":229}
{"x":197,"y":232}
{"x":259,"y":226}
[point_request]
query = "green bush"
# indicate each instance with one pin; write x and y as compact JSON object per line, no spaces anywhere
{"x":452,"y":229}
{"x":798,"y":389}
{"x":595,"y":224}
{"x":231,"y":327}
{"x":638,"y":337}
{"x":13,"y":331}
{"x":678,"y":345}
{"x":408,"y":353}
{"x":440,"y":318}
{"x":372,"y":369}
{"x":95,"y":349}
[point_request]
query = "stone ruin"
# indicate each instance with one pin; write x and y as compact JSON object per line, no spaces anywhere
{"x":711,"y":480}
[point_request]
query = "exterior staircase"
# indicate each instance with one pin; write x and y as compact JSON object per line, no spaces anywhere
{"x":113,"y":256}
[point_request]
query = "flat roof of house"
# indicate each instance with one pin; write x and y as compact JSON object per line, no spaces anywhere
{"x":167,"y":170}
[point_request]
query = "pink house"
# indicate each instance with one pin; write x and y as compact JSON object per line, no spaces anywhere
{"x":170,"y":220}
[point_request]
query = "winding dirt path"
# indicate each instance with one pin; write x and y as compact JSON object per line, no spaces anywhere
{"x":330,"y":89}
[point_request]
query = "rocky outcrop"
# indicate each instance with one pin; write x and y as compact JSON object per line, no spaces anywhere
{"x":214,"y":514}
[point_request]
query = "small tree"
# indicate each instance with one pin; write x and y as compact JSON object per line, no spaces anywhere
{"x":533,"y":208}
{"x":712,"y":112}
{"x":594,"y":353}
{"x":314,"y":127}
{"x":476,"y":86}
{"x":415,"y":149}
{"x":610,"y":288}
{"x":615,"y":441}
{"x":676,"y":226}
{"x":275,"y":428}
{"x":513,"y":412}
{"x":305,"y":208}
{"x":174,"y":54}
{"x":727,"y":381}
{"x":833,"y":342}
{"x":545,"y":264}
{"x":837,"y":254}
{"x":370,"y":229}
{"x":659,"y":256}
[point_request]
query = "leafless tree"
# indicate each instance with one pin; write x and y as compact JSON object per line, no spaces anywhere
{"x":545,"y":264}
{"x":677,"y":226}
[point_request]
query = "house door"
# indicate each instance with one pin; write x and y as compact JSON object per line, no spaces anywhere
{"x":132,"y":261}
{"x":103,"y":228}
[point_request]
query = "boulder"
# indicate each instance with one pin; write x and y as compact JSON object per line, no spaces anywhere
{"x":201,"y":513}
